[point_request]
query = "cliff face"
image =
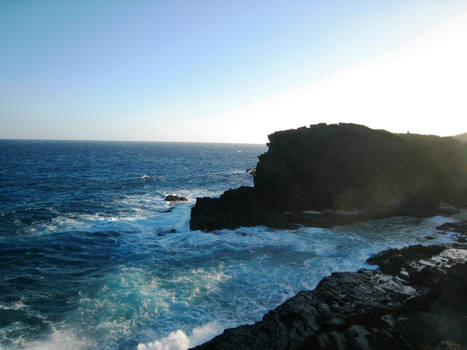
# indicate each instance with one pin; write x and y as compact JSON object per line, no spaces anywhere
{"x":416,"y":300}
{"x":349,"y":166}
{"x":342,"y":167}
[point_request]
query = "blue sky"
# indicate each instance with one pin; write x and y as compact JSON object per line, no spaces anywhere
{"x":228,"y":71}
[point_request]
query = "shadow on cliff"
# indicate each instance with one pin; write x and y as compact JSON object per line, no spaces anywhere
{"x":342,"y":173}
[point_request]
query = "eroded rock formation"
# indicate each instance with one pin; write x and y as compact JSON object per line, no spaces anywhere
{"x":416,"y":299}
{"x":333,"y":174}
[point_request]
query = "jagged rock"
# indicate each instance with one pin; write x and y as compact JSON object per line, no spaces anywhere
{"x":416,"y":299}
{"x":173,"y":198}
{"x":342,"y":167}
{"x":239,"y":207}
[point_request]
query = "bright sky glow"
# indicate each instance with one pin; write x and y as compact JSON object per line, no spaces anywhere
{"x":420,"y":87}
{"x":218,"y":71}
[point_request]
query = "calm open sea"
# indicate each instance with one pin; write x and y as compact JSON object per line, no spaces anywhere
{"x":88,"y":260}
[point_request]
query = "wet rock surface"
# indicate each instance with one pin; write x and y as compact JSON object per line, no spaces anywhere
{"x":174,"y":198}
{"x":343,"y":173}
{"x":416,"y":299}
{"x":459,"y":226}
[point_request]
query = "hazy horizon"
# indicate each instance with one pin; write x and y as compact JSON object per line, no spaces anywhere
{"x":130,"y":141}
{"x":166,"y":141}
{"x":223,"y":72}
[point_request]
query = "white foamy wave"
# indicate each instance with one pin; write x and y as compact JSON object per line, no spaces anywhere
{"x":126,"y":213}
{"x":193,"y":193}
{"x":439,"y":220}
{"x":146,"y":200}
{"x":14,"y":306}
{"x":178,"y":340}
{"x":99,"y":221}
{"x":60,"y":340}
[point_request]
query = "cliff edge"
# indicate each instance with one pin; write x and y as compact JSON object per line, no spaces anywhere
{"x":325,"y":175}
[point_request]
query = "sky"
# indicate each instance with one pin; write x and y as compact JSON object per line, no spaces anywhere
{"x":229,"y":71}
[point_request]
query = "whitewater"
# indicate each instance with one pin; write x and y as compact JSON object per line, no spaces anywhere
{"x":89,"y":258}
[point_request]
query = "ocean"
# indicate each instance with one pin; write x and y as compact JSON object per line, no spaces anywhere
{"x":93,"y":257}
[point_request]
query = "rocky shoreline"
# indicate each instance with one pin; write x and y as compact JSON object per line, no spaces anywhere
{"x":415,"y":299}
{"x":328,"y":175}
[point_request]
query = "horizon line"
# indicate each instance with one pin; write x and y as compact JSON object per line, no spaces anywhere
{"x":134,"y":141}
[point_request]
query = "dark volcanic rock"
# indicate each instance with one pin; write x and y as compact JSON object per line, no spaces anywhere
{"x":239,"y":207}
{"x":172,"y":198}
{"x":459,"y":226}
{"x":347,"y":173}
{"x":416,"y":299}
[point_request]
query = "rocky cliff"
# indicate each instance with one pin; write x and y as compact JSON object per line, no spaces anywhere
{"x":416,"y":299}
{"x":333,"y":174}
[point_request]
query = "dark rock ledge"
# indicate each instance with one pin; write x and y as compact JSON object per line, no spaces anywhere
{"x":416,"y":299}
{"x":327,"y":175}
{"x":458,"y":226}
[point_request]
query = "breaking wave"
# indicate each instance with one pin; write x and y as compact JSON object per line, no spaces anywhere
{"x":178,"y":340}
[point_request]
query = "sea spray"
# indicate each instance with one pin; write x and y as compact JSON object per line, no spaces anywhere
{"x":92,"y":257}
{"x":178,"y":340}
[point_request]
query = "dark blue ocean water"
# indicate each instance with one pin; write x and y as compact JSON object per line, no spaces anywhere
{"x":87,"y":259}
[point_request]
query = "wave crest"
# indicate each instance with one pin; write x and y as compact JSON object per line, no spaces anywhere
{"x":178,"y":340}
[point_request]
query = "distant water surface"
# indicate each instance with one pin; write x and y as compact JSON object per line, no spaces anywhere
{"x":88,"y":260}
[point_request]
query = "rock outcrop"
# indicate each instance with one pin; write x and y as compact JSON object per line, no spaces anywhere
{"x":174,"y":198}
{"x":416,"y":299}
{"x":459,"y":227}
{"x":333,"y":174}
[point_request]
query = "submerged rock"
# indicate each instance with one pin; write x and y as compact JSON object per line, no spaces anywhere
{"x":416,"y":299}
{"x":347,"y":173}
{"x":173,"y":198}
{"x":165,"y":231}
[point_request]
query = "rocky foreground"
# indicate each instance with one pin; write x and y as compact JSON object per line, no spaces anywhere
{"x":336,"y":174}
{"x":343,"y":173}
{"x":416,"y":299}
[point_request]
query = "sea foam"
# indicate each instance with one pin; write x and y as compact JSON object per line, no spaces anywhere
{"x":178,"y":340}
{"x":102,"y":261}
{"x":60,"y":340}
